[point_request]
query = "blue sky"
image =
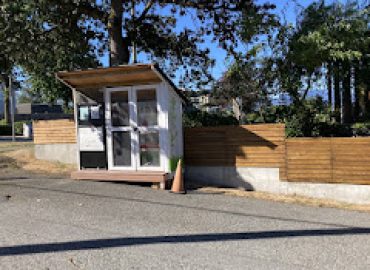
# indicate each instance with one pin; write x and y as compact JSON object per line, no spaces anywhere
{"x":285,"y":8}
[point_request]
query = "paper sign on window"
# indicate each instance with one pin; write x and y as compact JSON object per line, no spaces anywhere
{"x":91,"y":139}
{"x":84,"y":113}
{"x":95,"y":112}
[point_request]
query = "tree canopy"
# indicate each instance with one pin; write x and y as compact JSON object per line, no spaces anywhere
{"x":328,"y":45}
{"x":44,"y":36}
{"x":38,"y":40}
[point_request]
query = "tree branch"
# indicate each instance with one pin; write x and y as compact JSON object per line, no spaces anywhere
{"x":148,"y":5}
{"x":94,"y":12}
{"x":306,"y":90}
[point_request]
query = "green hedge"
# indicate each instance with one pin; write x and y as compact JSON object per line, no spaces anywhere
{"x":361,"y":129}
{"x":198,"y":118}
{"x":6,"y":130}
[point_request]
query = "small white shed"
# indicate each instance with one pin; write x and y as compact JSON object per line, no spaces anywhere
{"x":128,"y":123}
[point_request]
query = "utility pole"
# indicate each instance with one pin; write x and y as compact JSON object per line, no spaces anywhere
{"x":12,"y":105}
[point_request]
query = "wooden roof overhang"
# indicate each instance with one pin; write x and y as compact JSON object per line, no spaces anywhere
{"x":125,"y":75}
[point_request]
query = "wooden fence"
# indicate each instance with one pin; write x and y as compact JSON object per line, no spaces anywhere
{"x":328,"y":160}
{"x":54,"y":131}
{"x":240,"y":146}
{"x":321,"y":160}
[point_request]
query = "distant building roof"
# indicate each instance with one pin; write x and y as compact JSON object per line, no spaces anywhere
{"x":28,"y":108}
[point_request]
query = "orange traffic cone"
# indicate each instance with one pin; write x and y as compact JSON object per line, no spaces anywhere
{"x":178,"y":181}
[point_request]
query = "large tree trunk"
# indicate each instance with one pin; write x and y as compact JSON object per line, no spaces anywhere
{"x":337,"y":104}
{"x":119,"y":51}
{"x":347,"y":100}
{"x":367,"y":101}
{"x":329,"y":84}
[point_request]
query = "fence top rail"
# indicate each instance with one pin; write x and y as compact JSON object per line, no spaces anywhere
{"x":237,"y":126}
{"x":327,"y":138}
{"x":53,"y":120}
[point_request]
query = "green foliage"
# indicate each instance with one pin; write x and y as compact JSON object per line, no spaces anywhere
{"x":203,"y":119}
{"x":312,"y":118}
{"x":39,"y":38}
{"x":18,"y":127}
{"x":24,"y":97}
{"x":46,"y":36}
{"x":6,"y":130}
{"x":242,"y":81}
{"x":361,"y":129}
{"x":324,"y":34}
{"x":174,"y":47}
{"x":173,"y":163}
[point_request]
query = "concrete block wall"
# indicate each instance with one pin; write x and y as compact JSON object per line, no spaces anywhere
{"x":64,"y":153}
{"x":267,"y":180}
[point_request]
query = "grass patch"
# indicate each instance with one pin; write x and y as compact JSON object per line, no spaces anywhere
{"x":26,"y":160}
{"x":19,"y":156}
{"x":8,"y":163}
{"x":12,"y":146}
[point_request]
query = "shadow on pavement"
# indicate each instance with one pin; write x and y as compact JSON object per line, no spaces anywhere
{"x":175,"y":205}
{"x":174,"y":239}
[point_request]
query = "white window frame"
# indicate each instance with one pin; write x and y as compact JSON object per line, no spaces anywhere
{"x":134,"y":129}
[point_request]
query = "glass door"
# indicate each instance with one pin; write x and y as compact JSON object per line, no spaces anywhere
{"x":148,"y":156}
{"x":120,"y":129}
{"x":132,"y":124}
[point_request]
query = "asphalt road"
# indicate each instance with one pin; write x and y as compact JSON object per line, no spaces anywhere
{"x":63,"y":224}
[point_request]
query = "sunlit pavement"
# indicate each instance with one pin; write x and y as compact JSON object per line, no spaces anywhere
{"x":64,"y":224}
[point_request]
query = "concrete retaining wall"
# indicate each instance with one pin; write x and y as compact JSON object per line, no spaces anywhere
{"x":64,"y":153}
{"x":267,"y":180}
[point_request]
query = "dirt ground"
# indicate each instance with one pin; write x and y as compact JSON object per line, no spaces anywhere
{"x":17,"y":161}
{"x":286,"y":198}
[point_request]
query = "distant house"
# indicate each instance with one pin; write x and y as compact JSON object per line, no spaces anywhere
{"x":201,"y":101}
{"x":28,"y":111}
{"x":204,"y":101}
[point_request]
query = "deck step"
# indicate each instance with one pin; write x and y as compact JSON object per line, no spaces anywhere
{"x":138,"y":176}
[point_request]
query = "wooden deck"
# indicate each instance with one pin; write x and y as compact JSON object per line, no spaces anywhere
{"x":122,"y":176}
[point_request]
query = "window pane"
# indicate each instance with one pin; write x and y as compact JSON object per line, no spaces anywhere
{"x":149,"y":149}
{"x":147,"y":108}
{"x":121,"y":148}
{"x":120,"y":109}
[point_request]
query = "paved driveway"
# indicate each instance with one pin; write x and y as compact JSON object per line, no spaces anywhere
{"x":62,"y":224}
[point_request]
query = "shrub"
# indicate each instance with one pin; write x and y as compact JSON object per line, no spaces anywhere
{"x":6,"y":130}
{"x":361,"y":129}
{"x":198,"y":118}
{"x":312,"y":118}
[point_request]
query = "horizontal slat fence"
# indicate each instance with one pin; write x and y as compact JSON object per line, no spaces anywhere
{"x":328,"y":160}
{"x":320,"y":160}
{"x":241,"y":146}
{"x":54,"y":131}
